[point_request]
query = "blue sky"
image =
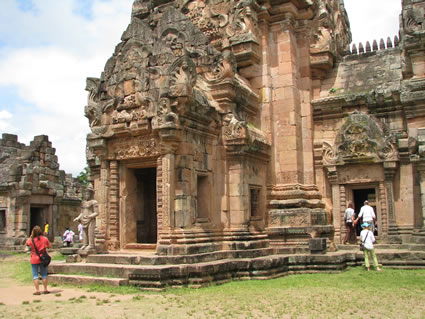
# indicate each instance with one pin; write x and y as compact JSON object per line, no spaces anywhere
{"x":49,"y":47}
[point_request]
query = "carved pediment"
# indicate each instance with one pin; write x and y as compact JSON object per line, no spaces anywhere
{"x":360,"y":139}
{"x":165,"y":69}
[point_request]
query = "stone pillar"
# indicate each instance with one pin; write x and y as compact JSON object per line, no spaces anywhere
{"x":166,"y":199}
{"x":286,"y":104}
{"x":421,"y":171}
{"x":343,"y":206}
{"x":167,"y":189}
{"x":383,"y":206}
{"x":238,"y":195}
{"x":103,"y":203}
{"x":114,"y":238}
{"x":389,"y":171}
{"x":336,"y":202}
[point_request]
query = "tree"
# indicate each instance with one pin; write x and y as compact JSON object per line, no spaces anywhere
{"x":83,"y":178}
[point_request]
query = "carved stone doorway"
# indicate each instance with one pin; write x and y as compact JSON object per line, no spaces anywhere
{"x":37,"y":217}
{"x":359,"y":196}
{"x":139,"y":213}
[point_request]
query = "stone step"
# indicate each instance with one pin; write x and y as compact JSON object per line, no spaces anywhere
{"x":85,"y":280}
{"x":378,"y":246}
{"x":224,"y":270}
{"x":151,"y":259}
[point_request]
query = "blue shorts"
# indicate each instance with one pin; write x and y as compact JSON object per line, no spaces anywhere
{"x":36,"y":268}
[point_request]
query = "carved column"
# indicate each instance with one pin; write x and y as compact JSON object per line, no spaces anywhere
{"x":383,"y":206}
{"x":336,"y":202}
{"x":421,"y":171}
{"x":103,"y":203}
{"x":389,"y":171}
{"x":114,"y":238}
{"x":166,"y":191}
{"x":343,"y":206}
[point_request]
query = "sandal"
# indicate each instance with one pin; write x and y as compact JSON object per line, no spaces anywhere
{"x":37,"y":293}
{"x":46,"y":292}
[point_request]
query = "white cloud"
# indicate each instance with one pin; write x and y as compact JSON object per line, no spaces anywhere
{"x":5,"y":116}
{"x":45,"y":56}
{"x":373,"y":20}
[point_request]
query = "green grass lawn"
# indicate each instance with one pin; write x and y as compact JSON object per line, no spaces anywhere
{"x":354,"y":293}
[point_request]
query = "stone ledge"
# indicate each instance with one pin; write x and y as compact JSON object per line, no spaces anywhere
{"x":225,"y":270}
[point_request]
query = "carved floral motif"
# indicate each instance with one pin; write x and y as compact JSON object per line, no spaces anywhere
{"x":134,"y":148}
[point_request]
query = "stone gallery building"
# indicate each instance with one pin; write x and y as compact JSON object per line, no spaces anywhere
{"x":33,"y":191}
{"x":219,"y":124}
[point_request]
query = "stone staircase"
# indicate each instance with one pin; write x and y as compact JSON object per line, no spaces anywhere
{"x":149,"y":271}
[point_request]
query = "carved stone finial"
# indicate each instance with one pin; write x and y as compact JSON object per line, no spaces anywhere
{"x":382,"y":45}
{"x":389,"y":43}
{"x":368,"y":49}
{"x":396,"y":41}
{"x":375,"y":45}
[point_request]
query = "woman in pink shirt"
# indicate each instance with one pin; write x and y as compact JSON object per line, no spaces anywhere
{"x":42,"y":243}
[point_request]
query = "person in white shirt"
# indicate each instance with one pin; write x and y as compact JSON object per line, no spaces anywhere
{"x":68,"y":236}
{"x":368,"y":239}
{"x":350,"y":236}
{"x":368,"y":215}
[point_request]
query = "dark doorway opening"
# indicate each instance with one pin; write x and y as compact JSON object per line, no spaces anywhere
{"x":360,"y":195}
{"x":146,"y":218}
{"x":36,"y":218}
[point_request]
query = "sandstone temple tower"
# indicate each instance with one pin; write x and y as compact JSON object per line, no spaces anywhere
{"x":245,"y":123}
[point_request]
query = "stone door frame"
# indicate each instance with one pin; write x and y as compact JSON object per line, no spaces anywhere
{"x":349,"y":190}
{"x":124,"y":168}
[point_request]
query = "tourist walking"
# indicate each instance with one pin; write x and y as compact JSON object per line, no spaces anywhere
{"x":68,"y":236}
{"x":368,"y":239}
{"x":42,"y":243}
{"x":368,"y":215}
{"x":350,"y":236}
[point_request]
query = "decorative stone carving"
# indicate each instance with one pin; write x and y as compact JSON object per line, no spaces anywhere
{"x":414,"y":21}
{"x":329,"y":37}
{"x":328,"y":154}
{"x":361,"y":138}
{"x":133,"y":148}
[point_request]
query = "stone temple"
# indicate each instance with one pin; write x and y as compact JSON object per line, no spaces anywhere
{"x":223,"y":122}
{"x":242,"y":128}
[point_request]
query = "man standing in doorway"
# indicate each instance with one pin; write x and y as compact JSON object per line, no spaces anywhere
{"x":368,"y":215}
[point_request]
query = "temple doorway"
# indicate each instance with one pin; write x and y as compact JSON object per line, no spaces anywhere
{"x":359,"y":196}
{"x":37,"y":217}
{"x":146,"y":216}
{"x":139,"y":208}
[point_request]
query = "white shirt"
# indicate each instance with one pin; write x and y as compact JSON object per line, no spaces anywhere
{"x":367,"y":213}
{"x":68,"y":235}
{"x":348,"y":215}
{"x":370,"y":239}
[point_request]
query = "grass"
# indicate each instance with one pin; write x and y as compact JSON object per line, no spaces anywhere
{"x":354,"y":293}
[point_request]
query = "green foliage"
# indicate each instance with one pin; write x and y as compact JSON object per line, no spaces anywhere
{"x":83,"y":177}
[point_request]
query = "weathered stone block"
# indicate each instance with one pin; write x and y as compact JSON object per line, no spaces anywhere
{"x":317,"y":245}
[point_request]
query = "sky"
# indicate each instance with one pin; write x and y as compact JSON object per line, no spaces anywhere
{"x":49,"y":47}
